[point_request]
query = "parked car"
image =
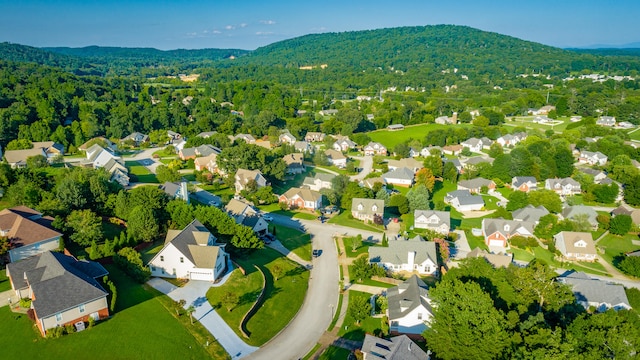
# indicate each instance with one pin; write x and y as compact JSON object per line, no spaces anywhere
{"x":267,"y":217}
{"x":316,"y":252}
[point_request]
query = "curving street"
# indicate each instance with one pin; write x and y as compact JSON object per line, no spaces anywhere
{"x":320,"y":303}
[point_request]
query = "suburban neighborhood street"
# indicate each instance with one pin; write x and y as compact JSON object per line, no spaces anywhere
{"x":366,"y":164}
{"x":295,"y":340}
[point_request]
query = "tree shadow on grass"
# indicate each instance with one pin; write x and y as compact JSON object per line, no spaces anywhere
{"x":298,"y":270}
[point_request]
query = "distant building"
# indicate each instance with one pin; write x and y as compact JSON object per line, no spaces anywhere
{"x":574,"y":245}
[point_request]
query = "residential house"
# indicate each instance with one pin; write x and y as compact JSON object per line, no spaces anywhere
{"x":328,"y":112}
{"x":176,"y":190}
{"x":264,"y":143}
{"x":511,"y":139}
{"x":400,"y":177}
{"x":206,"y":198}
{"x":18,"y":158}
{"x":135,"y":138}
{"x":625,"y":209}
{"x":395,"y":127}
{"x":446,"y":120}
{"x":473,"y":162}
{"x":62,"y":289}
{"x":426,"y":151}
{"x":368,"y":209}
{"x":409,"y":307}
{"x":572,"y":212}
{"x":370,"y":117}
{"x":475,"y":185}
{"x":248,"y":138}
{"x":606,"y":121}
{"x":413,"y":152}
{"x":29,"y":233}
{"x":598,"y":175}
{"x":600,"y":294}
{"x":243,"y":177}
{"x":200,"y":151}
{"x":191,"y":253}
{"x":100,"y":139}
{"x":206,"y":134}
{"x":625,"y":125}
{"x":592,"y":158}
{"x":314,"y":136}
{"x":497,"y":232}
{"x":375,"y":148}
{"x":294,"y":163}
{"x":243,"y":213}
{"x":344,"y":144}
{"x":287,"y":138}
{"x":563,"y":187}
{"x":474,"y":144}
{"x":412,"y":255}
{"x":530,"y":213}
{"x":174,"y":137}
{"x":542,"y":119}
{"x":299,"y":198}
{"x":396,"y":348}
{"x":98,"y":157}
{"x":319,"y":181}
{"x":409,"y":163}
{"x":371,"y":182}
{"x":336,"y":158}
{"x":575,"y":245}
{"x":209,"y":163}
{"x":456,"y":163}
{"x":439,"y":221}
{"x":452,"y":150}
{"x":463,"y":200}
{"x":497,"y":260}
{"x":524,"y":183}
{"x":52,"y":149}
{"x":302,"y":146}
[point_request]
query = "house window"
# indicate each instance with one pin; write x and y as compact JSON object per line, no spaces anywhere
{"x":181,"y":259}
{"x":161,"y":258}
{"x":81,"y":308}
{"x":58,"y":317}
{"x":153,"y":268}
{"x":419,"y":316}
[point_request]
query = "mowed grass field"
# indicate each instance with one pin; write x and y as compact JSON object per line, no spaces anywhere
{"x":416,"y":132}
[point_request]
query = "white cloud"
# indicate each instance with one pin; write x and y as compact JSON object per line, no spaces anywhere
{"x":229,"y":27}
{"x":217,"y":32}
{"x":264,"y":33}
{"x":243,"y":25}
{"x":267,"y":22}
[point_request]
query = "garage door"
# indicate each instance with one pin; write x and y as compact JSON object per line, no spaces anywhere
{"x":201,"y":276}
{"x":496,"y":243}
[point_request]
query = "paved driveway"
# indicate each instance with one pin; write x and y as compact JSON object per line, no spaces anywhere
{"x":194,"y":293}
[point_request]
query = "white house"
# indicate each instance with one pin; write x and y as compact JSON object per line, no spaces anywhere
{"x":367,"y":209}
{"x":344,"y":144}
{"x":600,"y":294}
{"x":319,"y":181}
{"x":407,"y":255}
{"x":287,"y":138}
{"x":463,"y":200}
{"x":243,"y":177}
{"x":576,"y":245}
{"x":374,"y":148}
{"x":592,"y":158}
{"x":439,"y":221}
{"x":565,"y":187}
{"x":409,"y":307}
{"x":336,"y":158}
{"x":409,"y":163}
{"x":191,"y":253}
{"x":606,"y":121}
{"x":474,"y":144}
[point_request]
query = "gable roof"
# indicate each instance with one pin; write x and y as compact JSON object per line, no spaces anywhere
{"x":407,"y":296}
{"x":497,"y":260}
{"x":334,"y":155}
{"x":507,"y":227}
{"x":192,"y":243}
{"x":464,"y":197}
{"x":572,"y":211}
{"x":397,"y":348}
{"x":237,"y":207}
{"x":402,"y":173}
{"x":474,"y":183}
{"x":530,"y":213}
{"x":304,"y":194}
{"x":324,"y":177}
{"x":591,"y":290}
{"x":367,"y":206}
{"x":59,"y":282}
{"x":517,"y":181}
{"x":24,"y":227}
{"x":293,"y":159}
{"x":21,"y":156}
{"x":444,"y":217}
{"x":569,"y":239}
{"x":397,"y":251}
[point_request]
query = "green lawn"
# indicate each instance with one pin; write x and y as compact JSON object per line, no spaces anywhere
{"x":148,"y":253}
{"x":141,"y":172}
{"x":348,"y":248}
{"x":369,"y":325}
{"x":417,"y":132}
{"x":4,"y":281}
{"x":296,"y":241}
{"x":547,"y":257}
{"x":343,"y":219}
{"x":141,"y":328}
{"x":527,"y":121}
{"x":111,"y":230}
{"x":283,"y":297}
{"x":475,"y":241}
{"x":614,"y":245}
{"x":247,"y":287}
{"x":335,"y":353}
{"x":634,"y":135}
{"x":505,"y":191}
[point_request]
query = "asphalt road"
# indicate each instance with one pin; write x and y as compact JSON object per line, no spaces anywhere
{"x":366,"y":163}
{"x":320,"y":303}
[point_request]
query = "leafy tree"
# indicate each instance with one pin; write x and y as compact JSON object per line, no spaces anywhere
{"x":443,"y":248}
{"x":245,"y":238}
{"x":86,"y":227}
{"x":19,"y":144}
{"x":71,"y":194}
{"x":37,"y":162}
{"x":435,"y":164}
{"x":130,"y":261}
{"x":425,"y":177}
{"x":277,"y":271}
{"x":632,"y":191}
{"x":359,"y":308}
{"x":418,"y":198}
{"x":402,"y":150}
{"x":142,"y":224}
{"x":94,"y":252}
{"x":465,"y":323}
{"x":165,"y":173}
{"x":356,"y":242}
{"x":547,"y":198}
{"x":382,"y":194}
{"x":535,"y":283}
{"x":449,"y":172}
{"x":607,"y":335}
{"x":620,"y":224}
{"x":399,"y":204}
{"x":5,"y":245}
{"x":630,"y":265}
{"x":564,"y":162}
{"x":190,"y":310}
{"x":517,"y":200}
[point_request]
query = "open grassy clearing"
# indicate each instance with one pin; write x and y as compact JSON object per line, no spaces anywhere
{"x":343,"y":219}
{"x":142,"y":174}
{"x":335,"y":353}
{"x":614,"y":245}
{"x":141,"y":327}
{"x":417,"y":132}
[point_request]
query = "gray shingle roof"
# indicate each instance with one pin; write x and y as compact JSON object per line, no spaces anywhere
{"x":397,"y":348}
{"x":591,"y":290}
{"x":400,"y":173}
{"x":192,"y":241}
{"x":474,"y":183}
{"x":397,"y":251}
{"x":519,"y":180}
{"x":530,"y":213}
{"x":59,"y":282}
{"x":407,"y":296}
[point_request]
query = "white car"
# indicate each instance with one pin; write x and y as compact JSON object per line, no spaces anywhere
{"x":267,"y":217}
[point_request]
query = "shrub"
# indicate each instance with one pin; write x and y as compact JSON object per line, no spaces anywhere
{"x":69,"y":329}
{"x":523,"y":242}
{"x":130,"y":261}
{"x":630,"y":265}
{"x":25,"y":303}
{"x":91,"y":322}
{"x":55,"y":332}
{"x":620,"y":224}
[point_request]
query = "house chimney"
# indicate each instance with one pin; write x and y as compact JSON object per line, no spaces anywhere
{"x":454,"y":118}
{"x":184,"y":192}
{"x":411,"y":257}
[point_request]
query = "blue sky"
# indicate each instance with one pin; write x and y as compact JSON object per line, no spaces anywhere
{"x":248,"y":24}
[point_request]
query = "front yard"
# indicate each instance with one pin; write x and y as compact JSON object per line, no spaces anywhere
{"x":142,"y":174}
{"x":282,"y":300}
{"x":296,"y":241}
{"x":141,"y":328}
{"x":344,"y":220}
{"x":614,"y":246}
{"x":369,"y":325}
